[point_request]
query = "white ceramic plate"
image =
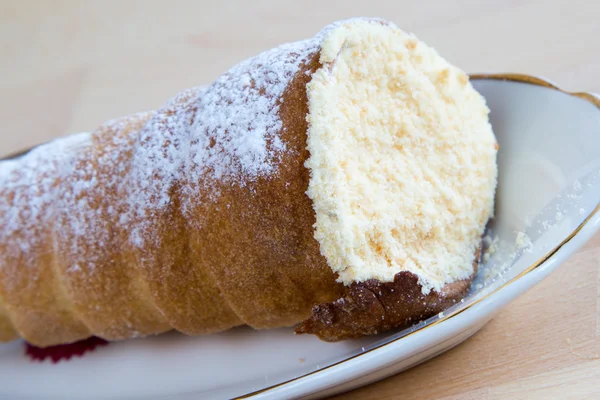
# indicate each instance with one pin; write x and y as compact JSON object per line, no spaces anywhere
{"x":549,"y":189}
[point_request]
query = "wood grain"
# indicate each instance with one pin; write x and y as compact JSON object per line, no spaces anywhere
{"x":66,"y":66}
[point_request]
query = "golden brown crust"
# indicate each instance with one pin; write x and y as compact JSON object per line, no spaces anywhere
{"x":30,"y":288}
{"x":106,"y":292}
{"x":261,"y":250}
{"x":179,"y":285}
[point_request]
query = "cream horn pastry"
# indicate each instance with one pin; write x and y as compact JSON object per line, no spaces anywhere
{"x":339,"y":184}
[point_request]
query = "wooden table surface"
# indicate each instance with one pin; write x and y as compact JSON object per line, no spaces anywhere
{"x":67,"y":66}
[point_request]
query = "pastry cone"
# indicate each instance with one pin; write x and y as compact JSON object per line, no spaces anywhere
{"x":341,"y":183}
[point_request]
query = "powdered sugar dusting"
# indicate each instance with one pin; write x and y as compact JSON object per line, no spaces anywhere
{"x":95,"y":204}
{"x":228,"y":132}
{"x":29,"y":188}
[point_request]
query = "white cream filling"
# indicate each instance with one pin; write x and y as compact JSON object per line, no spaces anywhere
{"x":402,"y":158}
